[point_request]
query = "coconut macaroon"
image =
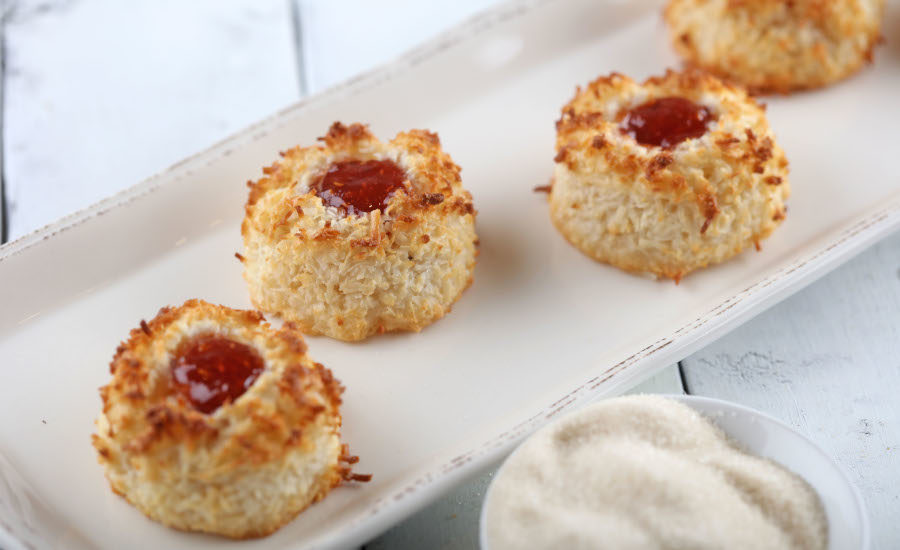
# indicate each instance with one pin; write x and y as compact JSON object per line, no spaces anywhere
{"x":216,"y":422}
{"x":773,"y":45}
{"x":354,"y":237}
{"x":667,"y":176}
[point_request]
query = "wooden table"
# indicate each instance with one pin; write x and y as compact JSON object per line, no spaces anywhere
{"x":99,"y":94}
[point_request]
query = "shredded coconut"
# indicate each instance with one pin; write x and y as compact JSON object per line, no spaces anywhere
{"x":643,"y":472}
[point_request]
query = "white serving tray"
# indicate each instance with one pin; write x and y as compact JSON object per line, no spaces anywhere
{"x":542,"y":330}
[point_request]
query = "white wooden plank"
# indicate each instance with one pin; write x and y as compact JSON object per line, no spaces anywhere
{"x":826,"y":362}
{"x":101,"y":94}
{"x":342,"y":38}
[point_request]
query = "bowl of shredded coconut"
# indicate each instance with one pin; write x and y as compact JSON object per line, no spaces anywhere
{"x":671,"y":472}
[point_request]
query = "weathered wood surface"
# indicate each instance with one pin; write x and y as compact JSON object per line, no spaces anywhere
{"x":100,"y":94}
{"x":342,"y":38}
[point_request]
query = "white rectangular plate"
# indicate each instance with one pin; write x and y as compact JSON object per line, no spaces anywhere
{"x":542,"y":330}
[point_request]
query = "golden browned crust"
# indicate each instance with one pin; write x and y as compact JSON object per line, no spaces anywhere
{"x":437,"y":180}
{"x":666,"y":211}
{"x":299,"y":253}
{"x":581,"y":119}
{"x":197,"y":471}
{"x":773,"y":45}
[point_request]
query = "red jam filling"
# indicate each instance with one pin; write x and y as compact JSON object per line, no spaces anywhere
{"x":356,"y":186}
{"x":666,"y":122}
{"x":210,"y":370}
